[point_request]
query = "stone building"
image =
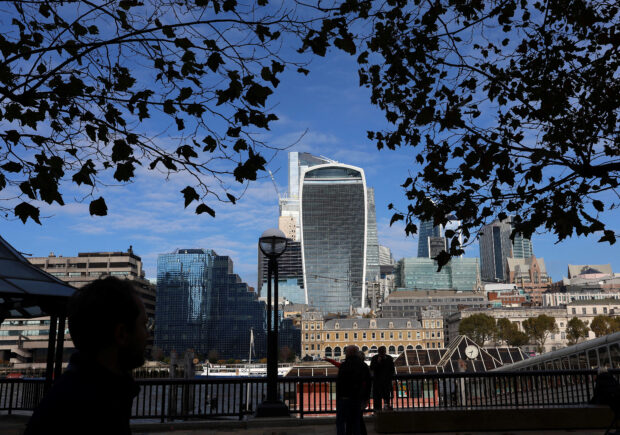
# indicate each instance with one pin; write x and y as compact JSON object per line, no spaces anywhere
{"x":530,"y":274}
{"x":327,"y":337}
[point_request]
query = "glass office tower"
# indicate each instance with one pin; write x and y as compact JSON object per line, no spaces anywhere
{"x":202,"y":305}
{"x":496,"y":247}
{"x":333,"y":209}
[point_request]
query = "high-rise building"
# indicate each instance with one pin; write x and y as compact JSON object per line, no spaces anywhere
{"x":288,"y":221}
{"x":204,"y":306}
{"x":290,"y":274}
{"x":373,"y":272}
{"x":496,"y":247}
{"x":432,"y":239}
{"x":334,"y":227}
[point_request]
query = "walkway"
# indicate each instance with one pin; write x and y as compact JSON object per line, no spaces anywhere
{"x":14,"y":425}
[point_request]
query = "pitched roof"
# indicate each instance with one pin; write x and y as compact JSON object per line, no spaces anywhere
{"x":26,"y":290}
{"x":382,"y":323}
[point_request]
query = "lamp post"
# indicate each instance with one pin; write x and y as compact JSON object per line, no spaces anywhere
{"x":272,"y":243}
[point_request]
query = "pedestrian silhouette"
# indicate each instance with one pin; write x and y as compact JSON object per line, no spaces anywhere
{"x":382,"y":367}
{"x":107,"y":323}
{"x":352,"y":393}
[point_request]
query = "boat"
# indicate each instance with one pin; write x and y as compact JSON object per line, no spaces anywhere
{"x":236,"y":370}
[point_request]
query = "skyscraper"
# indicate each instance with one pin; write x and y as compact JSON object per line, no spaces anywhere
{"x":202,"y":305}
{"x":334,"y":225}
{"x":496,"y":247}
{"x":288,"y":221}
{"x":433,"y":239}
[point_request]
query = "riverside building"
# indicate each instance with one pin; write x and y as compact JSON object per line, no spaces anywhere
{"x":327,"y":337}
{"x":204,"y":306}
{"x":24,"y":342}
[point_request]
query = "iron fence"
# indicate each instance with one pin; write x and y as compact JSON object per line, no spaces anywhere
{"x":211,"y":397}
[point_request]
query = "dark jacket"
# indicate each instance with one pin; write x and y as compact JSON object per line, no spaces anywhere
{"x":87,"y":399}
{"x":353,"y":381}
{"x":382,"y":369}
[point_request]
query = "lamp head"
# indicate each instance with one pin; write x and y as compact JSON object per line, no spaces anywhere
{"x":272,"y":243}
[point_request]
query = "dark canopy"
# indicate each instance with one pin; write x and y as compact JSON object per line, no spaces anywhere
{"x":26,"y":290}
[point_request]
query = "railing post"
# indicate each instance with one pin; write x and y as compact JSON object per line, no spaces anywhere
{"x":241,"y":398}
{"x":11,"y":398}
{"x":163,"y":402}
{"x":301,"y":399}
{"x":516,"y":392}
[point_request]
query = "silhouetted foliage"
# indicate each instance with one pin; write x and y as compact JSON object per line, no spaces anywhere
{"x":92,"y":92}
{"x":512,"y":107}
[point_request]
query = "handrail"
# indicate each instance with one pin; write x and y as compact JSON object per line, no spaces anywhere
{"x":210,"y":397}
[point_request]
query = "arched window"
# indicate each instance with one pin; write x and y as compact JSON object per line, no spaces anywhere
{"x":419,"y":346}
{"x":410,"y":347}
{"x":401,"y":349}
{"x":373,"y":349}
{"x":391,"y":350}
{"x":328,"y":352}
{"x":337,"y":352}
{"x":364,"y":349}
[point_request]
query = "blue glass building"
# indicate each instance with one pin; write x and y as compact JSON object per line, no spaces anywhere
{"x":334,"y":222}
{"x":204,"y":306}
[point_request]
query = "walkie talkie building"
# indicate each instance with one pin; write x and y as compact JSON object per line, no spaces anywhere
{"x":334,"y":221}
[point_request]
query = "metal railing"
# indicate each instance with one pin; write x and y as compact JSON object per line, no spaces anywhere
{"x":211,"y":397}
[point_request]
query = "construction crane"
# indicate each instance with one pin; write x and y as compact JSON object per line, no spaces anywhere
{"x":275,"y":186}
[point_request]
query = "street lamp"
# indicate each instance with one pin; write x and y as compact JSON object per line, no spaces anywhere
{"x":272,"y":243}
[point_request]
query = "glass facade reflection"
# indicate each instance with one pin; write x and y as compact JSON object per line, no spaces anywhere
{"x":202,"y":305}
{"x":333,"y":225}
{"x":496,"y":247}
{"x":461,"y":274}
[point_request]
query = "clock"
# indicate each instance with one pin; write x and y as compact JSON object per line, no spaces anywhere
{"x":471,"y":351}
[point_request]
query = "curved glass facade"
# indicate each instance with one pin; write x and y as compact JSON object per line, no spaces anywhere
{"x":333,"y":225}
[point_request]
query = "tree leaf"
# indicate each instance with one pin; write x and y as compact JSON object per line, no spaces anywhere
{"x":24,"y":211}
{"x":190,"y":194}
{"x":203,"y":208}
{"x":98,"y":207}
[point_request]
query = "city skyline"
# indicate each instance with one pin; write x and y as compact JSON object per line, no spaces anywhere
{"x":335,"y":115}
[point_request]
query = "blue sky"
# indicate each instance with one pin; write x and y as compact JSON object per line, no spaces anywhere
{"x":336,"y":113}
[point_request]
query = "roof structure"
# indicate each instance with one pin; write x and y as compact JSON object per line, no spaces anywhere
{"x":588,"y":269}
{"x":365,"y":323}
{"x":26,"y":290}
{"x":447,"y":360}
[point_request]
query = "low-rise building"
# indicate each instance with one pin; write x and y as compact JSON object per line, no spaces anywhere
{"x":555,"y":298}
{"x":23,"y":343}
{"x":327,"y":337}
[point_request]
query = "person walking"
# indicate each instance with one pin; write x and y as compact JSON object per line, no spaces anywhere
{"x":382,"y":367}
{"x":352,"y":393}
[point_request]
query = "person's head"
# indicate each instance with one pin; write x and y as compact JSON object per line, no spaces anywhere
{"x":108,"y":314}
{"x":361,"y":355}
{"x":351,"y":351}
{"x":382,"y":350}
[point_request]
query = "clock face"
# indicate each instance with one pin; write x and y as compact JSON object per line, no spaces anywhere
{"x":471,"y":351}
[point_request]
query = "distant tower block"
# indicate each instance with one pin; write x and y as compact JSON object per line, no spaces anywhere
{"x":287,"y":224}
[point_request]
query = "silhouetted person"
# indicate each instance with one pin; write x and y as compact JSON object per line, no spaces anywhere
{"x":352,"y":393}
{"x":382,"y":366}
{"x":107,"y":323}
